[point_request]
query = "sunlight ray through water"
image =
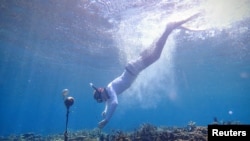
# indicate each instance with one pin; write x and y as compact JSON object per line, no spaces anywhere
{"x":138,"y":30}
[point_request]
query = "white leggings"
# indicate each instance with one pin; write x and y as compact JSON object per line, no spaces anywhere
{"x":134,"y":67}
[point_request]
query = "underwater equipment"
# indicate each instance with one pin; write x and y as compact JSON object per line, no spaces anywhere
{"x":65,"y":92}
{"x":92,"y":85}
{"x":68,"y":101}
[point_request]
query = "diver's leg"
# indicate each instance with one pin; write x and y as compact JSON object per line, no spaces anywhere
{"x":153,"y":53}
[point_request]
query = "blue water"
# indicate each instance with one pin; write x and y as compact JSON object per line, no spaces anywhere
{"x":47,"y":46}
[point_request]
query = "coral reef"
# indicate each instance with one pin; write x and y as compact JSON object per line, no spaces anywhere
{"x":146,"y":132}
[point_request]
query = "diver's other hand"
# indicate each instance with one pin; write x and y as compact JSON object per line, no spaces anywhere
{"x":102,"y":123}
{"x":104,"y":114}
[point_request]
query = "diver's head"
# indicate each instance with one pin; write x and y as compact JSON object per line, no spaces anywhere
{"x":97,"y":93}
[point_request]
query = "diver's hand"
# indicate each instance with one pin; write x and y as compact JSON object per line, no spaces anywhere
{"x":104,"y":114}
{"x":102,"y":123}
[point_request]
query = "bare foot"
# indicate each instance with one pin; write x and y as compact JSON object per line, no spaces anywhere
{"x":176,"y":24}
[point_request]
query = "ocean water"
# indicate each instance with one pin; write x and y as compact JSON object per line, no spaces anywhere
{"x":50,"y":45}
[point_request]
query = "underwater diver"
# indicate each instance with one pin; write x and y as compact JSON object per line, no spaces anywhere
{"x":131,"y":71}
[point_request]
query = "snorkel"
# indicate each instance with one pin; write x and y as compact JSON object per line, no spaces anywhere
{"x":92,"y":85}
{"x":97,"y":93}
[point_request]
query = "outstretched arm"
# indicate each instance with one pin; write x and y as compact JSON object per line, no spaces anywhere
{"x":109,"y":110}
{"x":110,"y":106}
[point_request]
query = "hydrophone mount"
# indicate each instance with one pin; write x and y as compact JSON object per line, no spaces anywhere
{"x":68,"y":101}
